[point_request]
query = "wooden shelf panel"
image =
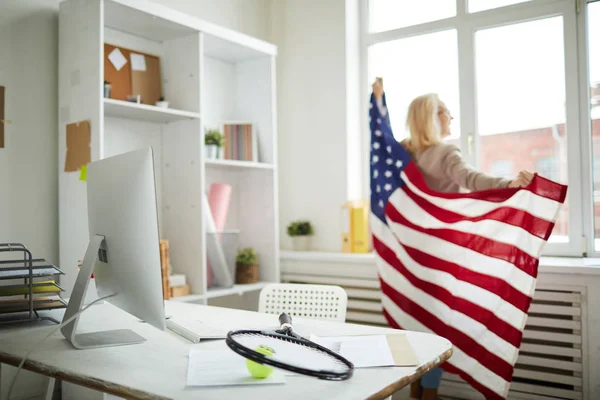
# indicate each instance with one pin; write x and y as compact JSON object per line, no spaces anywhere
{"x":235,"y":164}
{"x":216,"y":292}
{"x":144,"y":112}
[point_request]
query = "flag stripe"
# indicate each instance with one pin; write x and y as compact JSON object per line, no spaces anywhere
{"x":457,"y":355}
{"x":465,"y":257}
{"x":508,"y":302}
{"x":476,"y":203}
{"x":467,"y":333}
{"x":478,"y":313}
{"x":526,"y":244}
{"x":534,"y":225}
{"x":487,"y":367}
{"x":482,"y":245}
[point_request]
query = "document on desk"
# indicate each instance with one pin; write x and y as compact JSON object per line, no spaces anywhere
{"x":371,"y":350}
{"x":224,"y":368}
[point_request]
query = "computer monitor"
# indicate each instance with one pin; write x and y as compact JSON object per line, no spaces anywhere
{"x":123,"y":252}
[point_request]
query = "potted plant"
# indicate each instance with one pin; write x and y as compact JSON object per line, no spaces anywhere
{"x":107,"y":87}
{"x":300,"y":232}
{"x":213,"y":140}
{"x":162,"y":103}
{"x":246,"y":266}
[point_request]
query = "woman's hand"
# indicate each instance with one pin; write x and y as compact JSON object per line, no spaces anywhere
{"x":523,"y":179}
{"x":378,"y":88}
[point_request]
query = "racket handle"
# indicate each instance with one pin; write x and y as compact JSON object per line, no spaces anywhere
{"x":285,"y":319}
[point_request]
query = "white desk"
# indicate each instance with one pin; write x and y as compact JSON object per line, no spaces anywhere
{"x":157,"y":368}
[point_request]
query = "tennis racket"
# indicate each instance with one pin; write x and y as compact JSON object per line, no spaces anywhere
{"x":290,"y":352}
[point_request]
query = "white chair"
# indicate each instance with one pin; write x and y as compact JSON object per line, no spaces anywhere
{"x":303,"y":300}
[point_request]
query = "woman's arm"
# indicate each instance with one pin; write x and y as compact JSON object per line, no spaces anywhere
{"x":461,"y":173}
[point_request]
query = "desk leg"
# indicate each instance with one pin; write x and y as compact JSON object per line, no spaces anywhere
{"x":50,"y":389}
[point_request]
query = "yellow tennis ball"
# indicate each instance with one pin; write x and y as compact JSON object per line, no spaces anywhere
{"x":259,"y":370}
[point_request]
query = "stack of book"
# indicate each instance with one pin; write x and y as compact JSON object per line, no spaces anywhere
{"x":174,"y":285}
{"x":164,"y":268}
{"x":240,"y":142}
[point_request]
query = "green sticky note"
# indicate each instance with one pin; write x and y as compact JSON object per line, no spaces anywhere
{"x":83,"y":173}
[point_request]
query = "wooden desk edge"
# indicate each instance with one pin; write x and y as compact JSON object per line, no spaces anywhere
{"x":407,"y":380}
{"x":82,"y":380}
{"x":120,"y":391}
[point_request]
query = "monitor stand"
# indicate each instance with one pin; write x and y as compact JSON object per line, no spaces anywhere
{"x":119,"y":337}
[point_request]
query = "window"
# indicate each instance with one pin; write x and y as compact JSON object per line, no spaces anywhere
{"x":391,"y":14}
{"x":502,"y":168}
{"x":482,"y":5}
{"x":409,"y":72}
{"x":509,"y":71}
{"x":593,"y":31}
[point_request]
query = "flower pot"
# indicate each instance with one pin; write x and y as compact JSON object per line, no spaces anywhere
{"x":107,"y":88}
{"x":162,"y":104}
{"x":301,"y":243}
{"x":212,"y":151}
{"x":246,"y":273}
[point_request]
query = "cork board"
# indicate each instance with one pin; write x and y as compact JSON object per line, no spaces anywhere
{"x":126,"y":82}
{"x":1,"y":117}
{"x":120,"y":81}
{"x":79,"y":152}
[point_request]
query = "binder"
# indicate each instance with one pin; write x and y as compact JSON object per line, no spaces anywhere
{"x":355,"y":227}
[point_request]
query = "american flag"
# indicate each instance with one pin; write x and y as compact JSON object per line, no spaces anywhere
{"x":462,"y":266}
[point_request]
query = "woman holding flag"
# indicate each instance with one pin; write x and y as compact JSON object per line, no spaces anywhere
{"x":444,"y":170}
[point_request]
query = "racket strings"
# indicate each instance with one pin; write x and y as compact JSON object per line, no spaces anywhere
{"x":292,"y":351}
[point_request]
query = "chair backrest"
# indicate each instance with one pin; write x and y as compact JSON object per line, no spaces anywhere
{"x":304,"y":300}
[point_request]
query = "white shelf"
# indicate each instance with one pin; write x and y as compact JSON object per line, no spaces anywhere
{"x":235,"y":164}
{"x":221,"y":292}
{"x":144,"y":112}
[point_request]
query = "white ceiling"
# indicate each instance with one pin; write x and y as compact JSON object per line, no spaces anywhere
{"x":13,"y":10}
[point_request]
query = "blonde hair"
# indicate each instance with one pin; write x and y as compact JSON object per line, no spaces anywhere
{"x":423,"y":123}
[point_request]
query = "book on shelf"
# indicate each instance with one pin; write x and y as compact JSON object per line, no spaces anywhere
{"x":240,"y":142}
{"x":355,"y":227}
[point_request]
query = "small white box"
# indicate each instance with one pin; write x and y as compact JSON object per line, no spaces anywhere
{"x":177,"y":280}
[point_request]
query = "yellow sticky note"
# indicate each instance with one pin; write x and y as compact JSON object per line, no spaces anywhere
{"x":83,"y":173}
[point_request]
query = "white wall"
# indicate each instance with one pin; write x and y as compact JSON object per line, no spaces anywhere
{"x":313,"y":115}
{"x":28,"y":178}
{"x":246,"y":16}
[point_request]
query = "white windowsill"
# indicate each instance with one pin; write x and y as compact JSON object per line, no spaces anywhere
{"x":567,"y":265}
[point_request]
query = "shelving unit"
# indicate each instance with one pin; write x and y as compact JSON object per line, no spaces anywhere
{"x":209,"y":75}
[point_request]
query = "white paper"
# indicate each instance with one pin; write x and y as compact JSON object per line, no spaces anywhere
{"x":138,"y":62}
{"x":117,"y":59}
{"x":362,"y":351}
{"x":224,"y":368}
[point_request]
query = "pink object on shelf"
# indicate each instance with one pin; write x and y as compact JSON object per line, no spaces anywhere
{"x":219,"y":197}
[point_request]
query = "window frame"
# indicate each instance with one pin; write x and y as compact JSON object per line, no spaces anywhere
{"x":574,"y":14}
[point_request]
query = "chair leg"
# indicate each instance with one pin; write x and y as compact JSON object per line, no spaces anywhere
{"x":50,"y":389}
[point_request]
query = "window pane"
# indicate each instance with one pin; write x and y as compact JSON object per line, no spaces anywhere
{"x":594,"y":57}
{"x":521,"y":101}
{"x":482,"y":5}
{"x":408,"y":71}
{"x":385,"y":15}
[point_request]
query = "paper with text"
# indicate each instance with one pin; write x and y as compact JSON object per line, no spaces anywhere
{"x":224,"y":368}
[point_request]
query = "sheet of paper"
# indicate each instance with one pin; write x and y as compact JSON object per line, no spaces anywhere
{"x":224,"y":368}
{"x":138,"y":62}
{"x":371,"y":350}
{"x":367,"y":351}
{"x":117,"y":59}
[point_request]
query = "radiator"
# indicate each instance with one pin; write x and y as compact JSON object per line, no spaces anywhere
{"x":550,"y":360}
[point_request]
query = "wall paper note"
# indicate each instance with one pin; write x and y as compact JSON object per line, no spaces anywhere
{"x":79,"y":152}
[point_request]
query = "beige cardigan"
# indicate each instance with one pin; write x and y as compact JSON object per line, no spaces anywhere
{"x":446,"y":171}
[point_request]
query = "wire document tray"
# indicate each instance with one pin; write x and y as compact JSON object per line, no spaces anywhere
{"x":20,"y":302}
